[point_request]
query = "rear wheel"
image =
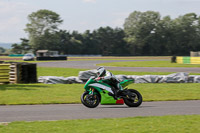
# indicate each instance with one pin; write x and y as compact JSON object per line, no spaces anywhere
{"x":90,"y":101}
{"x":133,"y":98}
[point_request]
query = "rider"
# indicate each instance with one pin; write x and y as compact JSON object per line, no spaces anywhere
{"x":110,"y":79}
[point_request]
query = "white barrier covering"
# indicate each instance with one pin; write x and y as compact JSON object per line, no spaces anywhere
{"x":85,"y":75}
{"x":171,"y":78}
{"x":194,"y":79}
{"x":59,"y":80}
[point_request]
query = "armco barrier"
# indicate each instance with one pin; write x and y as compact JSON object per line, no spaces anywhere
{"x":195,"y":60}
{"x":51,"y":58}
{"x":188,"y":60}
{"x":179,"y":60}
{"x":16,"y":55}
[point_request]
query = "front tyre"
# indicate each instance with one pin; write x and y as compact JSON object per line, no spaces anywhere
{"x":90,"y":101}
{"x":133,"y":98}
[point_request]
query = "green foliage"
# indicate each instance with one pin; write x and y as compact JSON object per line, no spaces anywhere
{"x":2,"y":50}
{"x":110,"y":41}
{"x":22,"y":48}
{"x":41,"y":28}
{"x":105,"y":41}
{"x":139,"y":28}
{"x":148,"y":34}
{"x":153,"y":124}
{"x":144,"y":33}
{"x":42,"y":21}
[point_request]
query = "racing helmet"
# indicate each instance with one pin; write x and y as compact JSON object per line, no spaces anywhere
{"x":101,"y":71}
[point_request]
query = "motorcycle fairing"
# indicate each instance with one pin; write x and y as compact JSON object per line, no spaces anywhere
{"x":105,"y":98}
{"x":103,"y":89}
{"x":102,"y":86}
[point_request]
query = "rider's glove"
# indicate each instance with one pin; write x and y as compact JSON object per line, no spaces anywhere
{"x":99,"y":78}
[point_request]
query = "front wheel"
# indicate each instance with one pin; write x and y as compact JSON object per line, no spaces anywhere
{"x":133,"y":98}
{"x":90,"y":101}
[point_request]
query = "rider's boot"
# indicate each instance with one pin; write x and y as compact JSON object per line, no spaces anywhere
{"x":113,"y":95}
{"x":119,"y":92}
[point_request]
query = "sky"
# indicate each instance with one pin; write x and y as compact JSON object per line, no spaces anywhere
{"x":82,"y":15}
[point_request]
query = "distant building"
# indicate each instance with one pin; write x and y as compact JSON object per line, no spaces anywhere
{"x":46,"y":53}
{"x":195,"y":54}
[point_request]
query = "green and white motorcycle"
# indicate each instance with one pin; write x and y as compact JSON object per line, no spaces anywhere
{"x":98,"y":92}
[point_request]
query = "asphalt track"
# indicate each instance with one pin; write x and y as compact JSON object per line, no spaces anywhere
{"x":92,"y":65}
{"x":78,"y":111}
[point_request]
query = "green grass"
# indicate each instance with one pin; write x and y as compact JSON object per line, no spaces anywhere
{"x":153,"y":124}
{"x":147,"y":64}
{"x":66,"y":72}
{"x":52,"y":71}
{"x":40,"y":93}
{"x":70,"y":93}
{"x":168,"y":91}
{"x":144,"y":73}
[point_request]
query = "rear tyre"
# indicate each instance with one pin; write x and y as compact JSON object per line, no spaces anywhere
{"x":90,"y":101}
{"x":133,"y":99}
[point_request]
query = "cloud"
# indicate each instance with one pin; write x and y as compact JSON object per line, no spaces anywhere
{"x":89,"y":1}
{"x":10,"y":8}
{"x":118,"y":22}
{"x":13,"y":18}
{"x":119,"y":18}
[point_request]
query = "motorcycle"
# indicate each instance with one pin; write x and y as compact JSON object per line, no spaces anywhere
{"x":97,"y":91}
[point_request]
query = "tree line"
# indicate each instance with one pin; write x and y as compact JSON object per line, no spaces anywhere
{"x":143,"y":33}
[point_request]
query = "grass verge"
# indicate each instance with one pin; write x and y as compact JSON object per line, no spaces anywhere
{"x":162,"y":124}
{"x":53,"y":71}
{"x":15,"y":94}
{"x":147,"y":64}
{"x":66,"y":72}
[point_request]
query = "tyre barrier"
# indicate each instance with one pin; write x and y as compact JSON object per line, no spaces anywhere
{"x":13,"y":72}
{"x":4,"y":73}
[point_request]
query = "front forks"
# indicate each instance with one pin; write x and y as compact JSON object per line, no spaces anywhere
{"x":91,"y":91}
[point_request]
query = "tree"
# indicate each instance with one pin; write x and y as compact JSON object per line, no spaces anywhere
{"x":186,"y":33}
{"x":139,"y":28}
{"x":43,"y":23}
{"x":21,"y":48}
{"x":2,"y":50}
{"x":163,"y":37}
{"x":110,"y":41}
{"x":148,"y":34}
{"x":64,"y":42}
{"x":89,"y":46}
{"x":16,"y":48}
